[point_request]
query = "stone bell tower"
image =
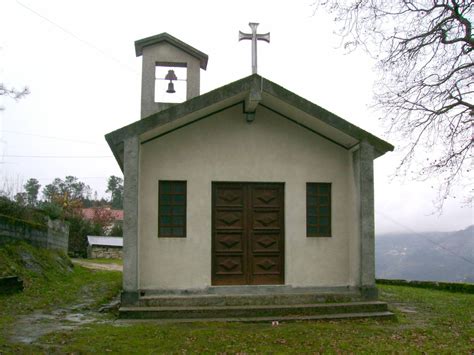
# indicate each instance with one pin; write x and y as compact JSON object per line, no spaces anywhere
{"x":167,"y":51}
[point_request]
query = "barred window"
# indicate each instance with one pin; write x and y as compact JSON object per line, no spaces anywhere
{"x":172,"y":209}
{"x":318,"y":209}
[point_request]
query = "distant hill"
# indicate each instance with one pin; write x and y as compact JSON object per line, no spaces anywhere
{"x":426,"y":256}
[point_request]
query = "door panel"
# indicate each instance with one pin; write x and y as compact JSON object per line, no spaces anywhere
{"x":265,"y":242}
{"x":266,"y":265}
{"x":230,"y":265}
{"x":247,"y":233}
{"x":228,"y":195}
{"x":228,"y":241}
{"x":229,"y":219}
{"x":265,"y":219}
{"x":265,"y":196}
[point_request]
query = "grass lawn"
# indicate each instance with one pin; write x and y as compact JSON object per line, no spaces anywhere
{"x":443,"y":322}
{"x":51,"y":282}
{"x":427,"y":321}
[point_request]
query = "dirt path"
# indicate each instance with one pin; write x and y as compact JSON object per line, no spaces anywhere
{"x":28,"y":328}
{"x":97,"y":266}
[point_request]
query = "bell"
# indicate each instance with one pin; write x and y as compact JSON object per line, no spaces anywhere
{"x":170,"y":88}
{"x":171,"y":75}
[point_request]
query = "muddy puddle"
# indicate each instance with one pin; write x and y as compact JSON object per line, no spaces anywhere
{"x":29,"y":328}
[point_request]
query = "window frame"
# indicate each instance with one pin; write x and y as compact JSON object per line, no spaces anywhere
{"x":161,"y":203}
{"x":317,"y":205}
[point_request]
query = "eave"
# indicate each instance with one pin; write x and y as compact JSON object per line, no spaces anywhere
{"x":261,"y":92}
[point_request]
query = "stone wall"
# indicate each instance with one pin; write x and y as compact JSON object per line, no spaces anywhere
{"x":58,"y":235}
{"x":53,"y":236}
{"x":104,"y":252}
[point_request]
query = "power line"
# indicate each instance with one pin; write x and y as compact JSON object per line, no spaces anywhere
{"x":50,"y":137}
{"x":89,"y":44}
{"x":78,"y":177}
{"x":428,"y":239}
{"x":60,"y":156}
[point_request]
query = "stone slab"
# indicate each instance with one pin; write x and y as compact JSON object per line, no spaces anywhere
{"x":251,"y":311}
{"x":246,"y":299}
{"x":378,"y":315}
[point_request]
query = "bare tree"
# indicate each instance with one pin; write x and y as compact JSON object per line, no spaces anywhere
{"x":12,"y":92}
{"x":10,"y":186}
{"x":425,"y":58}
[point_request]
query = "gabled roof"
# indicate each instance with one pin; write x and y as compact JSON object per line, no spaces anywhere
{"x":166,"y":37}
{"x":269,"y":95}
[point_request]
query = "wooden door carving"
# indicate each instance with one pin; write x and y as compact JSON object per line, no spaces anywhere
{"x":247,"y":234}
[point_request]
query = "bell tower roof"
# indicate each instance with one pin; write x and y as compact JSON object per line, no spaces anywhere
{"x":166,"y":37}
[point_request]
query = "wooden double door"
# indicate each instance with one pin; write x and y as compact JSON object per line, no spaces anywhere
{"x":247,"y":233}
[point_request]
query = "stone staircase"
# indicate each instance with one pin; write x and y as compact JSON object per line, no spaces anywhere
{"x":254,"y":307}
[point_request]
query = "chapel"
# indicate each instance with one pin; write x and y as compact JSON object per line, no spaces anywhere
{"x":247,"y":198}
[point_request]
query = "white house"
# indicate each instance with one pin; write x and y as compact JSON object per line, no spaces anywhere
{"x":248,"y":185}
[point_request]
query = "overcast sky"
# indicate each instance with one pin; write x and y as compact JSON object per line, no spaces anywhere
{"x":78,"y":59}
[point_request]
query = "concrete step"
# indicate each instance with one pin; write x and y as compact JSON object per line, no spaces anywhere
{"x":252,"y":311}
{"x":244,"y":299}
{"x":379,"y":315}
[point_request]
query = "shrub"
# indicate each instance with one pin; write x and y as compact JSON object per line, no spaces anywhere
{"x":16,"y":210}
{"x":117,"y":230}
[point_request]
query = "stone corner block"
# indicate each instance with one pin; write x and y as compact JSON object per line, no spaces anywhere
{"x":369,"y":292}
{"x":128,"y":298}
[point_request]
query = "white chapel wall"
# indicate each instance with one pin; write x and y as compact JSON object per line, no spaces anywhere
{"x":224,"y":147}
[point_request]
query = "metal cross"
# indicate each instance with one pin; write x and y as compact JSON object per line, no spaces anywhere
{"x":254,"y":37}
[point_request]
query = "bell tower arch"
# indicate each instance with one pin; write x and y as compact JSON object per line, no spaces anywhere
{"x":164,"y":50}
